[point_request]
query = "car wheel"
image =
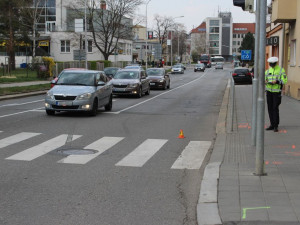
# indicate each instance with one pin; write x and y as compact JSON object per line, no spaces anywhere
{"x":195,"y":70}
{"x":140,"y":93}
{"x":94,"y":110}
{"x":169,"y":85}
{"x":50,"y":112}
{"x":165,"y":86}
{"x":148,"y":91}
{"x":108,"y":107}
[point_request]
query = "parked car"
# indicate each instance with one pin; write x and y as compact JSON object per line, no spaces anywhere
{"x":79,"y":90}
{"x":177,"y":69}
{"x":158,"y":78}
{"x":219,"y":65}
{"x":242,"y":75}
{"x":199,"y":67}
{"x":131,"y":82}
{"x":111,"y":71}
{"x":133,"y":66}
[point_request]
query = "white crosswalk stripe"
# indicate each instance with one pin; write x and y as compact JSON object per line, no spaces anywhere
{"x":43,"y":148}
{"x":16,"y":138}
{"x":100,"y":145}
{"x":192,"y":156}
{"x":142,"y":153}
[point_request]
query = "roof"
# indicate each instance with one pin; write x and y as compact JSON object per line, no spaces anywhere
{"x":200,"y":29}
{"x":243,"y":28}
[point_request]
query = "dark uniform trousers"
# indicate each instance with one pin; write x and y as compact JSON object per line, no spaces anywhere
{"x":273,"y":101}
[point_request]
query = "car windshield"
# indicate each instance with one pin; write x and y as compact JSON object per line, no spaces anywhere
{"x":155,"y":72}
{"x":110,"y":70}
{"x":81,"y":78}
{"x":177,"y":66}
{"x":127,"y":75}
{"x":200,"y":65}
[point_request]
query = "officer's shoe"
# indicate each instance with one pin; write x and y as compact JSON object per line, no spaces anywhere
{"x":275,"y":129}
{"x":270,"y":128}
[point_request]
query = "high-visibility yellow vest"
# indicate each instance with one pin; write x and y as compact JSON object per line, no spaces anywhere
{"x":275,"y":74}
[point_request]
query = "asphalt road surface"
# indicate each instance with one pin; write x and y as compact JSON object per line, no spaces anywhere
{"x":124,"y":167}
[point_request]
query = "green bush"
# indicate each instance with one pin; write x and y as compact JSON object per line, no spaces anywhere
{"x":93,"y":65}
{"x":107,"y":63}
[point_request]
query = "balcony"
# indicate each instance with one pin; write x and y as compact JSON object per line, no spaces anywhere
{"x":284,"y":11}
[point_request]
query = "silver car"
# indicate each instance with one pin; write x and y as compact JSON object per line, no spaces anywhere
{"x":79,"y":90}
{"x":177,"y":69}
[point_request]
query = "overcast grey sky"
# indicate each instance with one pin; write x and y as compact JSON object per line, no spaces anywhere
{"x":194,"y":11}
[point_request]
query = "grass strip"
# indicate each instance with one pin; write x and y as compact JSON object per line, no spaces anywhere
{"x":24,"y":89}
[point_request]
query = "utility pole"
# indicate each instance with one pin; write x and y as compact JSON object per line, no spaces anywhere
{"x":255,"y":81}
{"x":261,"y":90}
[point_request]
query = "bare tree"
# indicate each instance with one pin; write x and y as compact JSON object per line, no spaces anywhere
{"x":179,"y":40}
{"x":109,"y":24}
{"x":30,"y":15}
{"x":161,"y":30}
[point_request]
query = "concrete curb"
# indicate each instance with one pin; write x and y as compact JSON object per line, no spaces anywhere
{"x":7,"y":97}
{"x":207,"y":208}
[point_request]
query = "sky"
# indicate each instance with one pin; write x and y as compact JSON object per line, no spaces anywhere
{"x":194,"y":11}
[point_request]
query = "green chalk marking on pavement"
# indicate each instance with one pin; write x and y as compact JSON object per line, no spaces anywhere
{"x":245,"y":210}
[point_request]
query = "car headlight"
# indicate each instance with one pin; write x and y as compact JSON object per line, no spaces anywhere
{"x":50,"y":95}
{"x":161,"y":81}
{"x":84,"y":96}
{"x":132,"y":85}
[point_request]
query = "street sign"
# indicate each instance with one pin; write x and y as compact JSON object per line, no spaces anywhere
{"x":79,"y":54}
{"x":273,"y":40}
{"x":246,"y":54}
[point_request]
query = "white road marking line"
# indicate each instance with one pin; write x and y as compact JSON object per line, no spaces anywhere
{"x":100,"y":145}
{"x":42,"y":149}
{"x":173,"y":89}
{"x":142,"y":153}
{"x":16,"y":138}
{"x":12,"y":114}
{"x":24,"y":103}
{"x":192,"y":156}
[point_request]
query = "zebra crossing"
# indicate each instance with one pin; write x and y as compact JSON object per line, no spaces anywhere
{"x":191,"y":157}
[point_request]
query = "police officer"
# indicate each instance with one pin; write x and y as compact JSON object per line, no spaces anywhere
{"x":275,"y":78}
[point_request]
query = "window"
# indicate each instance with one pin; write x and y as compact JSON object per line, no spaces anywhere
{"x":65,"y":46}
{"x":214,"y":29}
{"x":214,"y":23}
{"x":234,"y":35}
{"x":239,"y":36}
{"x":293,"y":53}
{"x":214,"y":37}
{"x":239,"y":43}
{"x":234,"y":43}
{"x":90,"y":45}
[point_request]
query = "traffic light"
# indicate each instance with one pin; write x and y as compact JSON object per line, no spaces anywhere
{"x":246,"y":5}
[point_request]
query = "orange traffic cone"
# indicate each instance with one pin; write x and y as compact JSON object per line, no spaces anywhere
{"x":181,"y":134}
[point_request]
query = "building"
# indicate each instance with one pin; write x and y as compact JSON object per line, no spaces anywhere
{"x":287,"y":29}
{"x":239,"y":31}
{"x":219,"y":36}
{"x":61,"y":33}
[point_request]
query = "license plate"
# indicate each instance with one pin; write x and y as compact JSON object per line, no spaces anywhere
{"x":152,"y":83}
{"x":119,"y":89}
{"x":241,"y":75}
{"x":64,"y":103}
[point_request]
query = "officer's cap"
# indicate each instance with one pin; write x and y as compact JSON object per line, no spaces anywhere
{"x":272,"y":59}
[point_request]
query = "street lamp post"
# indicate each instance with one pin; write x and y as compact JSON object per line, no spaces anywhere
{"x":147,"y":33}
{"x":177,"y":39}
{"x":85,"y":34}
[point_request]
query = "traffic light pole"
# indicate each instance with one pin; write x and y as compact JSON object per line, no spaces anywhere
{"x":261,"y":90}
{"x":255,"y":81}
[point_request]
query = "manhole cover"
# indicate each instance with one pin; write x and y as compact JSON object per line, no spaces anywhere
{"x":77,"y":151}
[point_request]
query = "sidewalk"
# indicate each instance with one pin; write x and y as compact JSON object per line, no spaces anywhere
{"x":271,"y":199}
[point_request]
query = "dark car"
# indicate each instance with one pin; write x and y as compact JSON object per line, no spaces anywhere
{"x":131,"y":82}
{"x":158,"y":78}
{"x":242,"y":75}
{"x":111,"y":71}
{"x":199,"y":67}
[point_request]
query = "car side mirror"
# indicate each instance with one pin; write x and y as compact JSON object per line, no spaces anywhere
{"x":100,"y":83}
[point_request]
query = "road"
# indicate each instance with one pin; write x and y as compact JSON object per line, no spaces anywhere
{"x":123,"y":167}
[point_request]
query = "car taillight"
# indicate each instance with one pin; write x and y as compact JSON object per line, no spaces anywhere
{"x":234,"y":74}
{"x":248,"y":74}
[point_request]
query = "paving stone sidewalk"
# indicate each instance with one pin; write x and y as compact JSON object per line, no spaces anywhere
{"x":244,"y":198}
